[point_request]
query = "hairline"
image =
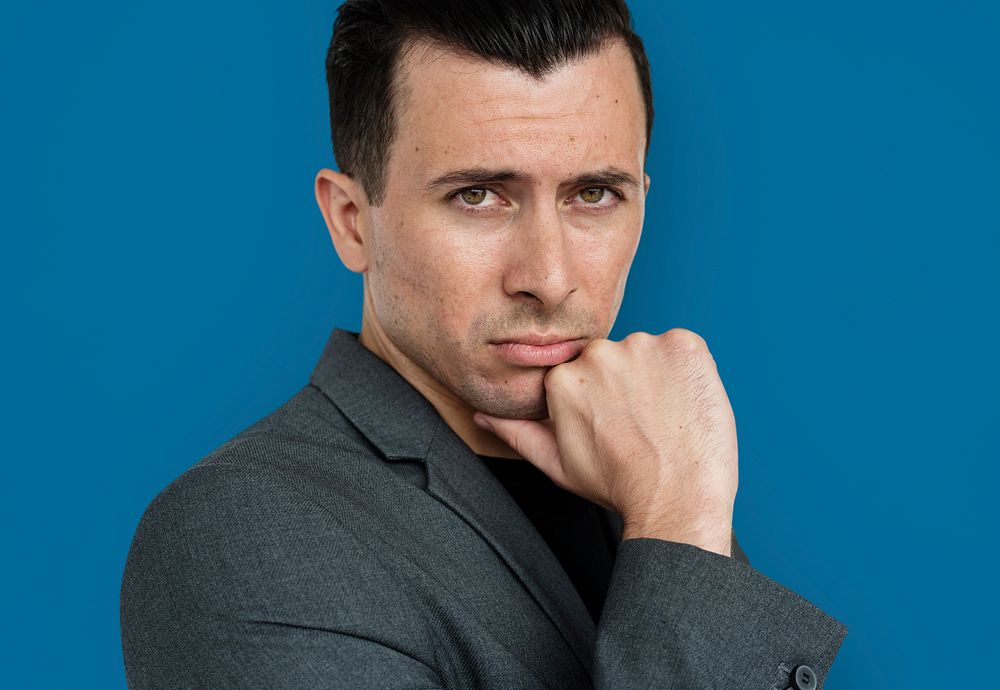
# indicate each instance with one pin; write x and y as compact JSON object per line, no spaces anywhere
{"x":399,"y":88}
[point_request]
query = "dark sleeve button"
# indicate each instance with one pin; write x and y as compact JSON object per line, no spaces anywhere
{"x":805,"y":678}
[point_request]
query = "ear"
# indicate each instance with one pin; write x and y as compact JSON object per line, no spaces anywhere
{"x":342,"y":202}
{"x":646,"y":182}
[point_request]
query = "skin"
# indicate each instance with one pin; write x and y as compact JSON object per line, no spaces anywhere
{"x":642,"y":426}
{"x":441,"y":283}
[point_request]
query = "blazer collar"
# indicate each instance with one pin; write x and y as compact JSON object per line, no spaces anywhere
{"x":403,"y":424}
{"x":391,"y":413}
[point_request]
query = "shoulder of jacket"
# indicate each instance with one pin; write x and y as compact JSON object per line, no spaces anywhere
{"x":265,"y":475}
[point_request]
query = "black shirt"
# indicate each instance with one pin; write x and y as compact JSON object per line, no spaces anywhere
{"x":573,"y":527}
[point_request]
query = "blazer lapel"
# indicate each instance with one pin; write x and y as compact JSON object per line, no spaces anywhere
{"x":402,"y":424}
{"x":459,"y":479}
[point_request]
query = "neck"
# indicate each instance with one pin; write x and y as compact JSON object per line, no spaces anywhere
{"x":456,"y":413}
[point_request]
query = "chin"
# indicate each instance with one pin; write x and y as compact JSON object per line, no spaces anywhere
{"x":518,"y":410}
{"x":517,"y":399}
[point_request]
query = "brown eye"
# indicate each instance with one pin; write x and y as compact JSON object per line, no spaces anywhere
{"x":473,"y":197}
{"x":593,"y":195}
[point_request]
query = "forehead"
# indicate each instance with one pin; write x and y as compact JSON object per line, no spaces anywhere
{"x":459,"y":111}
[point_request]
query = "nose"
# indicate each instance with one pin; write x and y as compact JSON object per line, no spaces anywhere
{"x":540,"y":265}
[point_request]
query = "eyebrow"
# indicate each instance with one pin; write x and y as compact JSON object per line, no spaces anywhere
{"x":611,"y":177}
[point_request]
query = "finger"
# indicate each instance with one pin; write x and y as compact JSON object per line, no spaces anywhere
{"x":529,"y":439}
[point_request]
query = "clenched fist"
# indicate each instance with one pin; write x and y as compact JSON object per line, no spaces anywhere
{"x":643,"y":427}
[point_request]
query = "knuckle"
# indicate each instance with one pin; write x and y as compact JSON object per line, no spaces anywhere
{"x":519,"y":445}
{"x":595,"y":347}
{"x":639,"y":338}
{"x":557,"y":379}
{"x":685,"y":340}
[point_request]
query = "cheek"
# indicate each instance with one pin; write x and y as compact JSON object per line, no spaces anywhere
{"x":429,"y":275}
{"x":605,"y":264}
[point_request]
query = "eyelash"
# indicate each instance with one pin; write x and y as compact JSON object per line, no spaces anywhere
{"x":453,"y":198}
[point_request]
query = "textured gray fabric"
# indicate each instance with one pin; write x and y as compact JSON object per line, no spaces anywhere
{"x":351,"y":540}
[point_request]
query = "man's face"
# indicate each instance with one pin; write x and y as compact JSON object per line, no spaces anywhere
{"x":502,"y":218}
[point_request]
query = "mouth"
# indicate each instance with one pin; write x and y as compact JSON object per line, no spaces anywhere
{"x":538,"y":351}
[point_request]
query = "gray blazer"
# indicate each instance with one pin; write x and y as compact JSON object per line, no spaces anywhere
{"x":351,"y":539}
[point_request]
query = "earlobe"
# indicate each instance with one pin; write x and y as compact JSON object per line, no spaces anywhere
{"x":340,"y":200}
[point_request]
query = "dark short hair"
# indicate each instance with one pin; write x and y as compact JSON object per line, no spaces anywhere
{"x":536,"y":36}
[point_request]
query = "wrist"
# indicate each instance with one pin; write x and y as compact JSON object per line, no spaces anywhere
{"x":715,"y":536}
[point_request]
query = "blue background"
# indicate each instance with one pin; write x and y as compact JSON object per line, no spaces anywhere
{"x":823,"y":211}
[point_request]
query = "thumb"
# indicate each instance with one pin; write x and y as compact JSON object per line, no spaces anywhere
{"x":532,"y":440}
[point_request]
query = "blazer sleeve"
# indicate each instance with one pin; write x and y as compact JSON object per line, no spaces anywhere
{"x":678,"y":616}
{"x":222,"y":591}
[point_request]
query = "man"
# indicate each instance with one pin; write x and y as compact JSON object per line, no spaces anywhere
{"x":479,"y":489}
